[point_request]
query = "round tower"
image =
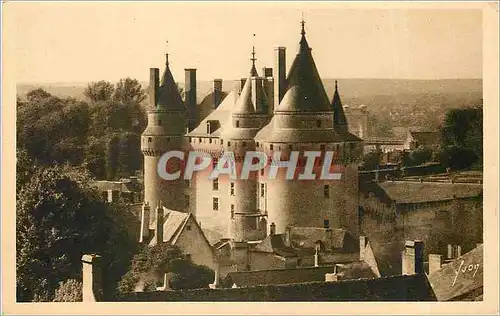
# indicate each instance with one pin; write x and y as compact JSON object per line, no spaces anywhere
{"x":164,"y":132}
{"x":247,"y":222}
{"x":303,"y":121}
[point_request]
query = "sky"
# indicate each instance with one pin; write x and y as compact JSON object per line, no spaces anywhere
{"x":82,"y":42}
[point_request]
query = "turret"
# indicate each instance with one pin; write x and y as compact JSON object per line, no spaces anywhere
{"x":164,"y":132}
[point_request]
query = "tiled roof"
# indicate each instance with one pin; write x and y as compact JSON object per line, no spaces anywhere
{"x":418,"y":192}
{"x":448,"y":285}
{"x":105,"y":185}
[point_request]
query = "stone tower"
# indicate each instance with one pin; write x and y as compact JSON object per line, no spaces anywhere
{"x":165,"y":132}
{"x":250,"y":112}
{"x":303,"y":121}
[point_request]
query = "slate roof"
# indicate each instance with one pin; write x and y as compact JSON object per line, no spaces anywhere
{"x":306,"y":237}
{"x":168,"y":96}
{"x":222,"y":114}
{"x":305,"y":92}
{"x":339,"y":118}
{"x":346,"y":271}
{"x":105,"y":185}
{"x":426,"y":138}
{"x":447,"y":285}
{"x":419,"y":192}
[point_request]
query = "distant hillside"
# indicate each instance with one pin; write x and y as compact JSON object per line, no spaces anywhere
{"x":355,"y":91}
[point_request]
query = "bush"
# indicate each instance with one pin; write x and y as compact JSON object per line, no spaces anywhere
{"x":69,"y":291}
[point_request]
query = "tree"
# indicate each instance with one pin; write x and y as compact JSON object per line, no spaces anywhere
{"x":69,"y":291}
{"x":457,"y":157}
{"x":371,"y":160}
{"x":59,"y":217}
{"x":37,"y":95}
{"x":420,"y":155}
{"x":95,"y":157}
{"x":150,"y":263}
{"x":129,"y":91}
{"x":99,"y":91}
{"x":129,"y":159}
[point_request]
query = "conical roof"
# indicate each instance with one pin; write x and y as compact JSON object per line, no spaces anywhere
{"x":168,"y":96}
{"x":304,"y":84}
{"x":339,"y":118}
{"x":244,"y":103}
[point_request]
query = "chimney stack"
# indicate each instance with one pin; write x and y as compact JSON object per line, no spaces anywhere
{"x":217,"y":92}
{"x":280,"y":75}
{"x":92,"y":278}
{"x":190,"y":99}
{"x":146,"y":210}
{"x":154,"y":83}
{"x":413,"y":257}
{"x":258,"y":97}
{"x":288,"y":239}
{"x":363,"y":242}
{"x":268,"y":85}
{"x":435,"y":263}
{"x":159,"y":225}
{"x":272,"y":229}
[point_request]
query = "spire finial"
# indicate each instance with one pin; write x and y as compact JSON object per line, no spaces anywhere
{"x":253,"y":59}
{"x":303,"y":32}
{"x":166,"y":54}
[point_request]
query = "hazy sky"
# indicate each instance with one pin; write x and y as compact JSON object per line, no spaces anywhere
{"x":81,"y":42}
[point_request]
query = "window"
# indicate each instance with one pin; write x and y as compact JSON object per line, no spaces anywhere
{"x":326,"y":191}
{"x":232,"y":211}
{"x":159,"y":122}
{"x":326,"y":223}
{"x":221,"y":141}
{"x":150,"y":139}
{"x":290,"y":147}
{"x":257,"y":144}
{"x":210,"y":140}
{"x":262,"y":189}
{"x":232,"y":188}
{"x":215,"y":203}
{"x":237,"y":123}
{"x":190,"y":139}
{"x":318,"y":123}
{"x":271,"y":147}
{"x":243,"y":144}
{"x":215,"y":184}
{"x":229,"y":143}
{"x":199,"y":140}
{"x":188,"y":227}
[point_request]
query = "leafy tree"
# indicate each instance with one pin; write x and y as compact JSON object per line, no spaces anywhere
{"x":129,"y":91}
{"x":37,"y":95}
{"x":420,"y":155}
{"x":99,"y":91}
{"x":95,"y":157}
{"x":129,"y":159}
{"x":69,"y":291}
{"x":371,"y":161}
{"x":112,"y":152}
{"x":150,"y":263}
{"x":59,"y":217}
{"x":457,"y":157}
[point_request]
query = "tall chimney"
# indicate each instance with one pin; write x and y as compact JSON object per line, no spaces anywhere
{"x":159,"y":225}
{"x":268,"y":85}
{"x":280,"y":75}
{"x":190,"y":100}
{"x":435,"y":262}
{"x":217,"y":92}
{"x":144,"y":222}
{"x":258,"y":95}
{"x":413,"y":257}
{"x":92,"y":278}
{"x":154,"y":83}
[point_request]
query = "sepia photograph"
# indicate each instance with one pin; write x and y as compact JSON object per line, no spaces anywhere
{"x":235,"y":152}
